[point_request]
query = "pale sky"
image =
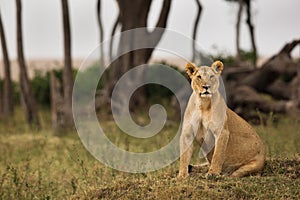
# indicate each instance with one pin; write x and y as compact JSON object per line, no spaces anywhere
{"x":277,"y":22}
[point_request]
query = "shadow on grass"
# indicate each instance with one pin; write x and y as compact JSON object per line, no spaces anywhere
{"x":289,"y":168}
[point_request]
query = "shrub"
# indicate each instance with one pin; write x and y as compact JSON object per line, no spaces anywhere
{"x":16,"y":91}
{"x":41,"y":88}
{"x":155,"y":91}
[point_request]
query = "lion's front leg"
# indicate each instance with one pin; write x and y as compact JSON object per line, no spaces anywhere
{"x":219,"y":153}
{"x":186,"y":151}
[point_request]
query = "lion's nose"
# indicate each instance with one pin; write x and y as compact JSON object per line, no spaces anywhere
{"x":206,"y":87}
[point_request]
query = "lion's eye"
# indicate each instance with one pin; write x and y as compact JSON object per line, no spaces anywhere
{"x":199,"y":76}
{"x":212,"y":76}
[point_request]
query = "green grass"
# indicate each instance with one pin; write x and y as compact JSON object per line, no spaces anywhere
{"x":39,"y":165}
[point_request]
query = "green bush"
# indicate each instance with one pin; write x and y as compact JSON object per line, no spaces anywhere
{"x":16,"y":91}
{"x":248,"y":56}
{"x":41,"y":88}
{"x":155,"y":91}
{"x":41,"y":84}
{"x":86,"y":79}
{"x":230,"y":59}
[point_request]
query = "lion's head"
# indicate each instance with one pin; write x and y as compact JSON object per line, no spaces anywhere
{"x":204,"y":79}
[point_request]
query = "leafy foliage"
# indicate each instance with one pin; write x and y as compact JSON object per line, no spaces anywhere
{"x":155,"y":91}
{"x":230,"y":59}
{"x":41,"y":87}
{"x":16,"y":90}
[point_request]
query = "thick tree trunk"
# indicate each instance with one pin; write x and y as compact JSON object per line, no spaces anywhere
{"x":295,"y":88}
{"x":8,"y":105}
{"x":1,"y":104}
{"x":279,"y":65}
{"x":27,"y":98}
{"x":238,"y":30}
{"x":68,"y":79}
{"x":251,"y":30}
{"x":57,"y":102}
{"x":196,"y":24}
{"x":278,"y":80}
{"x":134,"y":14}
{"x":279,"y":90}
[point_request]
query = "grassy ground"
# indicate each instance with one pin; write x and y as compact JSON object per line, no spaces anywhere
{"x":39,"y":165}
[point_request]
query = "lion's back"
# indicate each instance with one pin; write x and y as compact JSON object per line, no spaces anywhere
{"x":244,"y":144}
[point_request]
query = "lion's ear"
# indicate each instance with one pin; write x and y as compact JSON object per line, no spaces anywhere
{"x":218,"y":66}
{"x":191,"y":69}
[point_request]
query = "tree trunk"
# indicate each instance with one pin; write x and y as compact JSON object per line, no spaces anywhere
{"x":246,"y":102}
{"x":288,"y":48}
{"x":111,"y":42}
{"x":199,"y":6}
{"x":8,"y":105}
{"x":1,"y":103}
{"x":57,"y":102}
{"x":278,"y":65}
{"x":68,"y":79}
{"x":296,"y":90}
{"x":251,"y":30}
{"x":27,"y":98}
{"x":134,"y":14}
{"x":100,"y":31}
{"x":238,"y":29}
{"x":278,"y":79}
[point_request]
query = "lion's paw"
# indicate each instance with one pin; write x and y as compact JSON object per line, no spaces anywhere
{"x":213,"y":176}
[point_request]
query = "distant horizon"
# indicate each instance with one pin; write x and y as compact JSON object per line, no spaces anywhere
{"x":43,"y":65}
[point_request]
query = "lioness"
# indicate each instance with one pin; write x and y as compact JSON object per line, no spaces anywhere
{"x":236,"y":149}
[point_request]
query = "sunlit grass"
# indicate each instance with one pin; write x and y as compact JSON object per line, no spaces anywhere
{"x":37,"y":164}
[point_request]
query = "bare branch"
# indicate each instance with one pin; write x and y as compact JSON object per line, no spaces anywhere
{"x":199,"y":6}
{"x":157,"y":33}
{"x":100,"y":31}
{"x":238,"y":24}
{"x":111,"y":42}
{"x":288,"y":48}
{"x":251,"y":29}
{"x":7,"y":90}
{"x":164,"y":13}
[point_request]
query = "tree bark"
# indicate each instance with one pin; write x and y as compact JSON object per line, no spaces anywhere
{"x":8,"y":105}
{"x":246,"y":102}
{"x":295,"y":86}
{"x":278,"y":80}
{"x":251,"y":30}
{"x":27,"y":98}
{"x":1,"y":103}
{"x":134,"y":14}
{"x":238,"y":29}
{"x":57,"y":102}
{"x":288,"y":48}
{"x":278,"y":65}
{"x":196,"y":24}
{"x":68,"y":79}
{"x":111,"y":42}
{"x":100,"y":25}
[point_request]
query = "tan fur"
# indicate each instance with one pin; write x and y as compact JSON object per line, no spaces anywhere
{"x":238,"y":150}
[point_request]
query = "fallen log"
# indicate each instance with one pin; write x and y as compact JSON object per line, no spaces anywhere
{"x":278,"y":65}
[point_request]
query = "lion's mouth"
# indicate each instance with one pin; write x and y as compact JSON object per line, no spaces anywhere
{"x":205,"y":94}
